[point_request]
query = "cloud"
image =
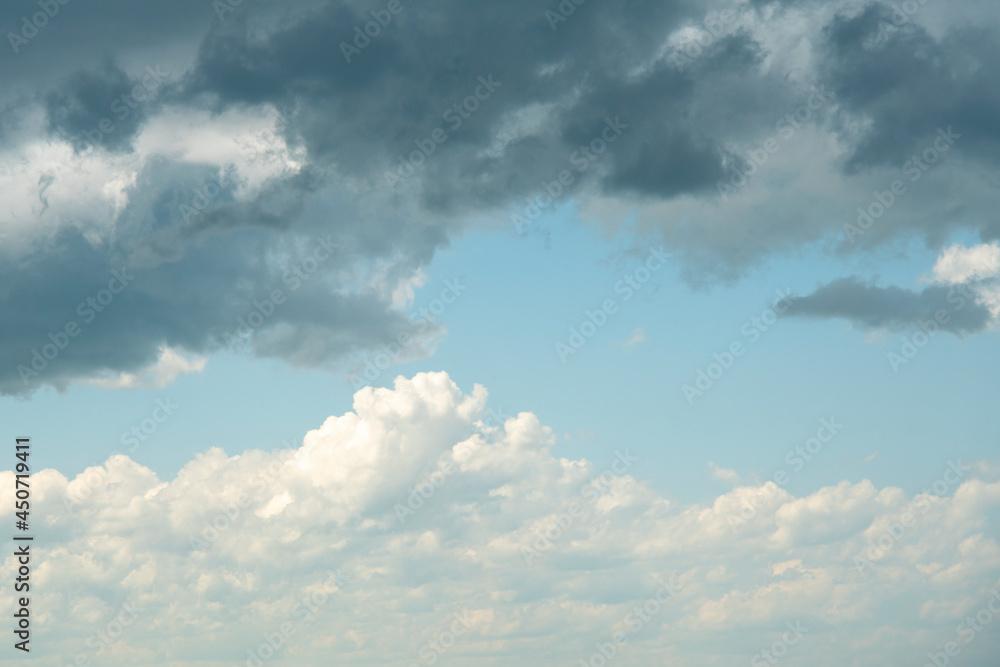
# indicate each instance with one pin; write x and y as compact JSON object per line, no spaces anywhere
{"x":102,"y":109}
{"x":264,"y":136}
{"x":959,"y":264}
{"x":965,"y":296}
{"x":278,"y":296}
{"x":895,"y":308}
{"x":167,"y":368}
{"x":638,"y":337}
{"x":307,"y":545}
{"x":724,"y":474}
{"x":907,"y":80}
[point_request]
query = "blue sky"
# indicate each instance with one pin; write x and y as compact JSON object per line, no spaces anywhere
{"x":608,"y":394}
{"x":728,"y":272}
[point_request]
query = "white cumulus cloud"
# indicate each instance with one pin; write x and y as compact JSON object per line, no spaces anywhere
{"x":399,"y":533}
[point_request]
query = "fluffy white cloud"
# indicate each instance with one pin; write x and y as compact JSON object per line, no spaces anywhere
{"x":958,"y":264}
{"x":416,"y":516}
{"x":978,"y":266}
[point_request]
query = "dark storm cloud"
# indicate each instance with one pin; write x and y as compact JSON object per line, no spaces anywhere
{"x":513,"y":97}
{"x":872,"y":307}
{"x":81,"y":35}
{"x":118,"y":316}
{"x":366,"y":114}
{"x":103,"y":109}
{"x":196,"y":274}
{"x":884,"y":66}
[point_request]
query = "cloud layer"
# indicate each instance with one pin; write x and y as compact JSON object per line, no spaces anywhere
{"x":964,"y":299}
{"x":418,"y":514}
{"x":894,"y":308}
{"x":217,"y":144}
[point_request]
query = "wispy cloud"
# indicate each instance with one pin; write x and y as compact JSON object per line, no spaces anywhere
{"x":637,"y":338}
{"x":724,"y":474}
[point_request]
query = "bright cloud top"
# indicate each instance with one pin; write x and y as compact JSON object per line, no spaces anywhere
{"x":958,"y":264}
{"x":416,"y":529}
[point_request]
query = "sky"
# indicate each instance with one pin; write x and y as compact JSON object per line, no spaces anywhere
{"x":526,"y":332}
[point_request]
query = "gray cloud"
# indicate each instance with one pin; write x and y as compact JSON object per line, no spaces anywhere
{"x":365,"y":114}
{"x":195,"y":303}
{"x":872,"y":307}
{"x":103,"y":109}
{"x":907,"y":83}
{"x":688,"y":128}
